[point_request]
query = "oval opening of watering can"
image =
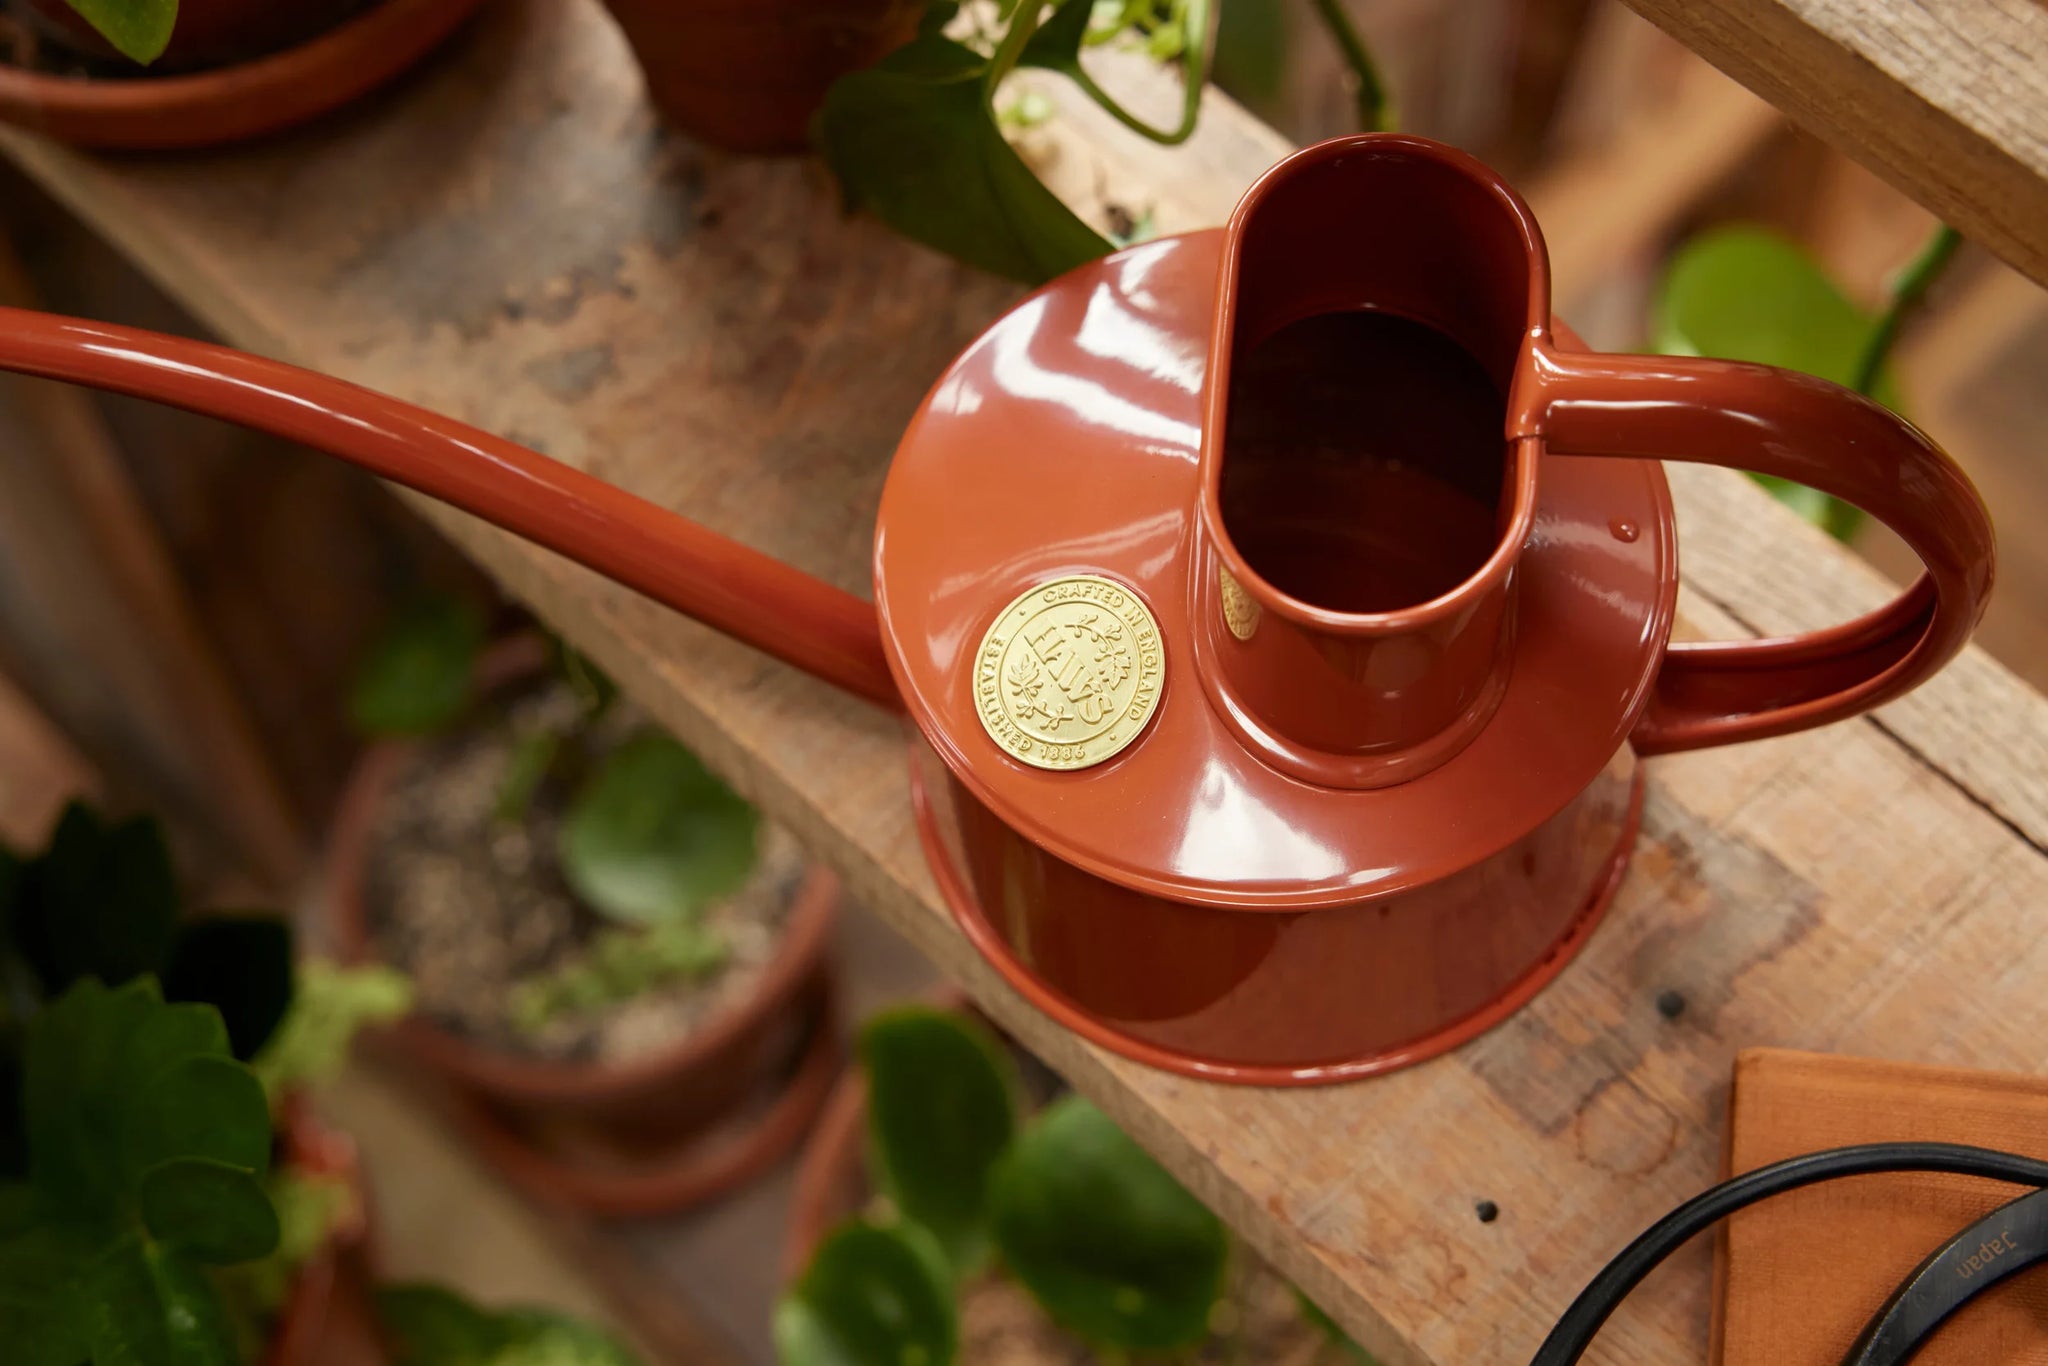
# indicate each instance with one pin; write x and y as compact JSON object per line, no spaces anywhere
{"x":1283,"y":609}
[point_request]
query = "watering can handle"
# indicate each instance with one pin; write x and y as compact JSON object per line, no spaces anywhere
{"x":740,"y":591}
{"x":1808,"y":430}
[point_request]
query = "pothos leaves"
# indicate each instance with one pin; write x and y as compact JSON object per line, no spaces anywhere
{"x":147,"y":1145}
{"x":139,"y":30}
{"x":1744,"y":293}
{"x":915,"y":141}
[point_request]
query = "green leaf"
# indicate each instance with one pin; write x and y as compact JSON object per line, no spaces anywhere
{"x":1333,"y":1331}
{"x":332,"y":1006}
{"x":915,"y":141}
{"x":38,"y":1268}
{"x":1251,"y":52}
{"x":1112,"y":1247}
{"x":140,"y":30}
{"x":209,"y":1108}
{"x":533,"y":754}
{"x":146,"y":1139}
{"x":144,"y":1305}
{"x":871,"y":1297}
{"x":101,"y":901}
{"x":420,"y":674}
{"x":1056,"y":46}
{"x":211,"y":1211}
{"x":941,"y":1112}
{"x":1744,"y":293}
{"x":622,"y":963}
{"x":432,"y":1326}
{"x":241,"y":965}
{"x":655,"y":836}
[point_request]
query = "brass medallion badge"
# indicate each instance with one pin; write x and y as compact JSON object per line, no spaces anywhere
{"x":1069,"y":673}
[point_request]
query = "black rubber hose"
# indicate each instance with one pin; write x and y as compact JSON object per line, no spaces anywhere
{"x":1574,"y":1332}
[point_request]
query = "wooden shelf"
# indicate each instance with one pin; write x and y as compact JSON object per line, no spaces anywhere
{"x":507,"y":238}
{"x":1949,"y":102}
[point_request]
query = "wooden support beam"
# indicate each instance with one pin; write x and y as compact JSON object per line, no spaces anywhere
{"x":1949,"y":101}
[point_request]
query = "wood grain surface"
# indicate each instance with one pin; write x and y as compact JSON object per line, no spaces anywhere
{"x":1948,"y":101}
{"x":508,"y":238}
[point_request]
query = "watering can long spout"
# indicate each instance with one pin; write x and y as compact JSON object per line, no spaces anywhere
{"x":740,"y":591}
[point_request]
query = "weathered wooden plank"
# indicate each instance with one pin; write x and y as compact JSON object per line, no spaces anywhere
{"x":104,"y":633}
{"x":1949,"y":102}
{"x":509,"y":240}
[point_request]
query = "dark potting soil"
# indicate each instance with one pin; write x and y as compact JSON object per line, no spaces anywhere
{"x":471,"y":906}
{"x":1259,"y":1323}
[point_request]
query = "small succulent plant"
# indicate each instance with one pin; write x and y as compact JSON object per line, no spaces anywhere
{"x":649,"y":838}
{"x":1109,"y":1245}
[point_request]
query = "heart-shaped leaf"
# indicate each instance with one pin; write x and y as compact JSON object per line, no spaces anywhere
{"x":101,"y":901}
{"x":420,"y":674}
{"x":431,"y":1326}
{"x":871,"y":1296}
{"x":914,"y":140}
{"x":241,"y":965}
{"x":1744,"y":293}
{"x":941,"y":1112}
{"x":1112,"y":1247}
{"x":655,"y":836}
{"x":140,"y":30}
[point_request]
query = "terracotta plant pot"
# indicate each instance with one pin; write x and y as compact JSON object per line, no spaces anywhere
{"x":747,"y":75}
{"x":652,"y":1134}
{"x":229,"y":103}
{"x":329,"y":1317}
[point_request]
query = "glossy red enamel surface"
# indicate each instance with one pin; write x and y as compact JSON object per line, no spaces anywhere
{"x":1068,"y":440}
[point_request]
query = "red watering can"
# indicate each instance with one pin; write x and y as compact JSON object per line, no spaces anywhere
{"x":1281,"y":610}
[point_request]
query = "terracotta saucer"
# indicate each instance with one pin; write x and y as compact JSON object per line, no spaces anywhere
{"x":230,"y":104}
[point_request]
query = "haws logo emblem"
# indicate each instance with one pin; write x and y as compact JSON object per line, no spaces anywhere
{"x":1069,"y":673}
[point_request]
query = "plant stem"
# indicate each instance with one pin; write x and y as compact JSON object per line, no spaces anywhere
{"x":1909,"y":287}
{"x":1368,"y":90}
{"x":1200,"y":21}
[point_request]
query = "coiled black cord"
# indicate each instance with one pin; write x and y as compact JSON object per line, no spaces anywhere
{"x":1574,"y":1332}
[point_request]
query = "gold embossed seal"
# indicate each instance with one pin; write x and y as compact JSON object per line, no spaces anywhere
{"x":1069,"y":673}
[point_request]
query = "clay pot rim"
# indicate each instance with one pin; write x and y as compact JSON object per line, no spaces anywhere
{"x":703,"y":1168}
{"x":1518,"y":485}
{"x":813,"y":910}
{"x":232,"y":103}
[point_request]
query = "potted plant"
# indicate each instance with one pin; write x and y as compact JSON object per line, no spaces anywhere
{"x":620,"y":967}
{"x":149,"y":74}
{"x":933,"y":1222}
{"x":921,"y":138}
{"x":167,"y":1195}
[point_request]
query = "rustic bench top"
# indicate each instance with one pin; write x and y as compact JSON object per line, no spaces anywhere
{"x":509,"y":239}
